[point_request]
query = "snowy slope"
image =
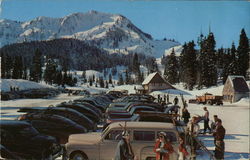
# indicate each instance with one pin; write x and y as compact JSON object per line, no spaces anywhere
{"x":114,"y":33}
{"x":21,"y":84}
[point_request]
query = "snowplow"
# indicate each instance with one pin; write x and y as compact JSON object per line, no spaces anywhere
{"x":208,"y":98}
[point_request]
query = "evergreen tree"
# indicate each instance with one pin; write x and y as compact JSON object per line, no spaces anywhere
{"x":50,"y":71}
{"x":110,"y":79}
{"x":93,"y":78}
{"x":243,"y":53}
{"x":3,"y":65}
{"x":120,"y":80}
{"x":189,"y":65}
{"x":90,"y":81}
{"x":182,"y":60}
{"x":107,"y":84}
{"x":17,"y":68}
{"x":25,"y":73}
{"x":208,"y":62}
{"x":36,"y":68}
{"x":114,"y":71}
{"x":127,"y":77}
{"x":8,"y":66}
{"x":234,"y":67}
{"x":171,"y":68}
{"x":101,"y":82}
{"x":64,"y":78}
{"x":84,"y":74}
{"x":59,"y":78}
{"x":136,"y":66}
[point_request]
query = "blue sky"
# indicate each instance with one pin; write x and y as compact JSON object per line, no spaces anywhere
{"x":181,"y":20}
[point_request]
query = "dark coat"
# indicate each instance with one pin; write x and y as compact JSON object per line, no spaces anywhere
{"x":219,"y":133}
{"x":186,"y":116}
{"x":122,"y":151}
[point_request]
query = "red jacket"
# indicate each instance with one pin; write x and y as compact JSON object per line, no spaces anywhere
{"x":167,"y":146}
{"x":183,"y":150}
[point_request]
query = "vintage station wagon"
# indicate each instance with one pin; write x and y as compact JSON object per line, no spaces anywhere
{"x":102,"y":146}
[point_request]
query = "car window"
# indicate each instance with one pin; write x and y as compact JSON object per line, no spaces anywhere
{"x":114,"y":135}
{"x":170,"y":135}
{"x":144,"y":135}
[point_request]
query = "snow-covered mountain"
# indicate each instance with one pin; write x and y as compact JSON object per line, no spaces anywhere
{"x":112,"y":32}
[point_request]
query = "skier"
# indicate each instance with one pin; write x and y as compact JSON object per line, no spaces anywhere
{"x":219,"y":135}
{"x":192,"y":132}
{"x":176,"y":100}
{"x":163,"y":148}
{"x":185,"y":115}
{"x":206,"y":120}
{"x":124,"y":150}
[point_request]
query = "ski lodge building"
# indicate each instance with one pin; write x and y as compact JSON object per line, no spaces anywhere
{"x":235,"y":88}
{"x":154,"y":82}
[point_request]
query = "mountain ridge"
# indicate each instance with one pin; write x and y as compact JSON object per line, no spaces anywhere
{"x":111,"y":32}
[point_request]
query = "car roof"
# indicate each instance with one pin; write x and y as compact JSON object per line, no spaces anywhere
{"x":13,"y":124}
{"x":142,"y":125}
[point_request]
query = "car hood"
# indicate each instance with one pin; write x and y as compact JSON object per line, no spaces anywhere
{"x":86,"y":138}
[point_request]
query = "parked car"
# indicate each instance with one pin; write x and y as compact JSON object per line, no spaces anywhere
{"x":103,"y":145}
{"x":93,"y":102}
{"x":90,"y":106}
{"x":53,"y":125}
{"x":23,"y":140}
{"x":69,"y":113}
{"x":83,"y":110}
{"x":130,"y":112}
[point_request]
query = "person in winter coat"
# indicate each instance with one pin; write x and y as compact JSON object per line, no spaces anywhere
{"x":185,"y":115}
{"x":176,"y":100}
{"x":183,"y":154}
{"x":124,"y":150}
{"x":192,"y":132}
{"x":163,"y":147}
{"x":219,"y":135}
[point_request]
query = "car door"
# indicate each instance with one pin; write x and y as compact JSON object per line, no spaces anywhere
{"x":143,"y":143}
{"x":109,"y":143}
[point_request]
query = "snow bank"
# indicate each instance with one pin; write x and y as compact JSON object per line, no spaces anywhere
{"x":130,"y":88}
{"x":21,"y":84}
{"x":243,"y":102}
{"x":170,"y":91}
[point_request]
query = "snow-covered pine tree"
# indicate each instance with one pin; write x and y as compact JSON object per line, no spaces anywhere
{"x":208,"y":69}
{"x":49,"y":72}
{"x":120,"y":80}
{"x":110,"y":79}
{"x":189,"y":65}
{"x":234,"y":66}
{"x":243,"y":53}
{"x":171,"y":68}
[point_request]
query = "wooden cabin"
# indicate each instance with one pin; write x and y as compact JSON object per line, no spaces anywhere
{"x":155,"y":82}
{"x":235,"y":88}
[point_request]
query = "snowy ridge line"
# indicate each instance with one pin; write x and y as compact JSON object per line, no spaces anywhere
{"x":112,"y":32}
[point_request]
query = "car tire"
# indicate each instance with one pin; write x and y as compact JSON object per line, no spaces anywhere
{"x":209,"y":102}
{"x":78,"y":156}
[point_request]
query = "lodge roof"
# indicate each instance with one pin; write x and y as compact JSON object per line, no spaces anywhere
{"x":239,"y":83}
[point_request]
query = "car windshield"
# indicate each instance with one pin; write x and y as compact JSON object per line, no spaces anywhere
{"x":28,"y":132}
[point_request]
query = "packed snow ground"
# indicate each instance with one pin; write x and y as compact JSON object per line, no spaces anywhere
{"x":21,"y":84}
{"x":235,"y":116}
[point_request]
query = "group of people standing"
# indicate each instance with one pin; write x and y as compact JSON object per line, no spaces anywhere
{"x":163,"y":147}
{"x":216,"y":129}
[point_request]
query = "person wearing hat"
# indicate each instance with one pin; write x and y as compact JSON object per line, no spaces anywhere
{"x":219,"y":135}
{"x":163,"y":147}
{"x":124,"y":150}
{"x":192,"y":132}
